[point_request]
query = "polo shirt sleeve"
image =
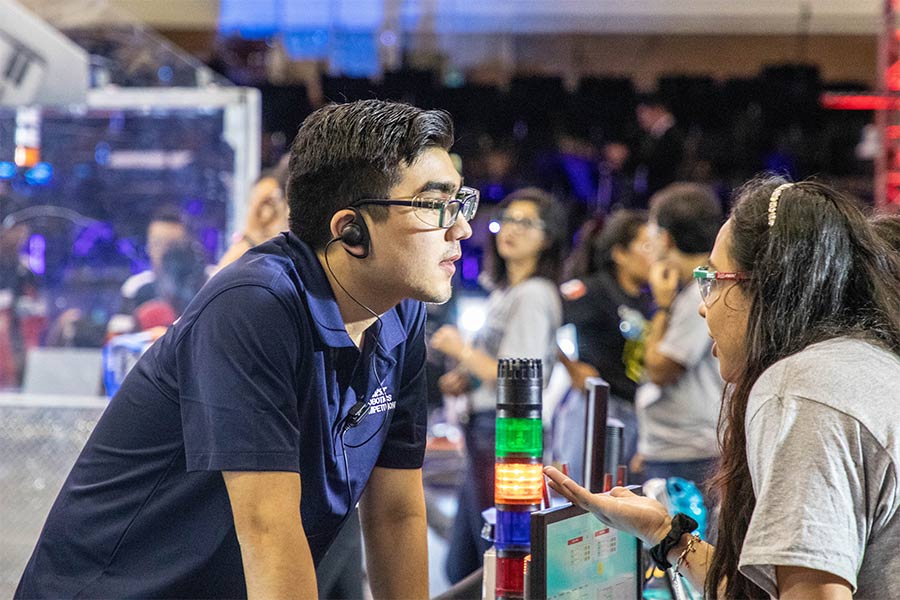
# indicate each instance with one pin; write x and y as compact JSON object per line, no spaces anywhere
{"x":237,"y":386}
{"x":404,"y":447}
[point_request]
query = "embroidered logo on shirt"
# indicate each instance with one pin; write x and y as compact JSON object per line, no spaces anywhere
{"x":381,"y":401}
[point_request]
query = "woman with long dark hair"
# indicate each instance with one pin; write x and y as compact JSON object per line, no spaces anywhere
{"x":802,"y":300}
{"x":609,"y":305}
{"x":523,"y":313}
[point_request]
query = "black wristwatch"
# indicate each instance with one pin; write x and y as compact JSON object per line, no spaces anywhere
{"x":681,"y":524}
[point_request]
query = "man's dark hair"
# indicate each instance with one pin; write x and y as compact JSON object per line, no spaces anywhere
{"x":347,"y":152}
{"x":691,"y":213}
{"x":553,"y":215}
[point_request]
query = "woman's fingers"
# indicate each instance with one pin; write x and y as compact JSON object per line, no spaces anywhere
{"x":576,"y":494}
{"x":562,"y":491}
{"x":621,"y":492}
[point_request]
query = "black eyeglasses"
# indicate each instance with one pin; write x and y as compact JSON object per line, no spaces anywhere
{"x":435,"y":208}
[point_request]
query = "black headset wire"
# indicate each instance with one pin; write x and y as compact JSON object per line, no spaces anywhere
{"x":345,"y":425}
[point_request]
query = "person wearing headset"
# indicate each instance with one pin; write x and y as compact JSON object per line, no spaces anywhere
{"x":292,"y":388}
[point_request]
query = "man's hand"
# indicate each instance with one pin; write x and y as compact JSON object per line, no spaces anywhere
{"x":640,"y":516}
{"x":663,"y":281}
{"x":274,"y":551}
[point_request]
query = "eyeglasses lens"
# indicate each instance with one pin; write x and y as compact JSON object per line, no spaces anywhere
{"x":450,"y":212}
{"x":468,"y":199}
{"x":706,"y":290}
{"x":440,"y":212}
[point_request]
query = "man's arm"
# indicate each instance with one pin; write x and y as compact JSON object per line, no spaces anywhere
{"x":660,"y":369}
{"x":392,"y":512}
{"x":274,"y":551}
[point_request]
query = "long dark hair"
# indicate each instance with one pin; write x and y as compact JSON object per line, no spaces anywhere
{"x":888,"y":228}
{"x":818,"y":272}
{"x":553,"y":215}
{"x":598,"y":238}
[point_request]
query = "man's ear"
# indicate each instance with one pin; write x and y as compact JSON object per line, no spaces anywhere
{"x":349,"y":226}
{"x":618,"y":254}
{"x":339,"y":221}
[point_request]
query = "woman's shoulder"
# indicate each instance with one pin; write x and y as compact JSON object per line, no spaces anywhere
{"x":536,"y":285}
{"x":840,"y":354}
{"x":837,"y":373}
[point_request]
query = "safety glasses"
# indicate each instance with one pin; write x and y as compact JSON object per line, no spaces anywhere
{"x":708,"y":282}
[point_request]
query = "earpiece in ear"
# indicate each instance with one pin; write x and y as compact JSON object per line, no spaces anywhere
{"x":351,"y":234}
{"x":355,"y":234}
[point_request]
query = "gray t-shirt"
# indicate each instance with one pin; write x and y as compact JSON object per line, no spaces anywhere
{"x":521,"y":322}
{"x":823,"y":446}
{"x":678,"y":422}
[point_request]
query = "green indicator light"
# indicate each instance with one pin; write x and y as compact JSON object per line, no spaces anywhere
{"x":519,"y":436}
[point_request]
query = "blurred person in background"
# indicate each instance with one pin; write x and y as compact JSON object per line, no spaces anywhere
{"x":267,"y":213}
{"x":659,"y":149}
{"x":165,"y":229}
{"x":523,"y":314}
{"x":615,"y":186}
{"x":181,"y":274}
{"x":678,"y":406}
{"x":609,"y":305}
{"x":22,"y":309}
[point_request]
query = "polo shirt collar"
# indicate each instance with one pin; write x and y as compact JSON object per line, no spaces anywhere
{"x":323,"y":307}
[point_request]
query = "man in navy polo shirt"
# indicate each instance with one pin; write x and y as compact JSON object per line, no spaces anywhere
{"x":292,"y":387}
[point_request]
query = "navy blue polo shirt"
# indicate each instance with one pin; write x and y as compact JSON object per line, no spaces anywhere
{"x":257,"y":375}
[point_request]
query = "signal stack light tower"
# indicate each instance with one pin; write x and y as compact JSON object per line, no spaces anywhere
{"x":518,"y":476}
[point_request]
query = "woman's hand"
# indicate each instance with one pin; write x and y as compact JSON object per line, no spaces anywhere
{"x":640,"y":516}
{"x":449,"y":341}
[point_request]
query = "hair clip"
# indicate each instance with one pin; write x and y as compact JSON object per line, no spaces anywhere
{"x":773,"y":201}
